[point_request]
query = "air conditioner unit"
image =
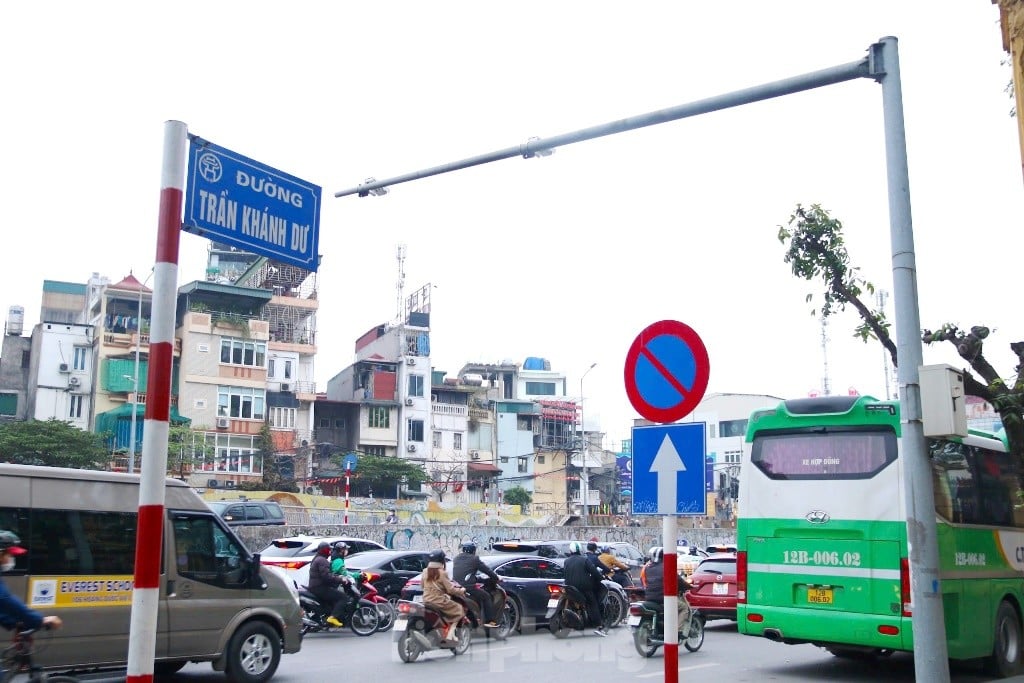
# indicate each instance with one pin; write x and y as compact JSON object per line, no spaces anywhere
{"x":64,"y":367}
{"x":408,"y":401}
{"x":412,"y":361}
{"x":475,"y":455}
{"x":285,"y":386}
{"x":223,"y":423}
{"x":74,"y":381}
{"x":212,"y":483}
{"x":411,"y":448}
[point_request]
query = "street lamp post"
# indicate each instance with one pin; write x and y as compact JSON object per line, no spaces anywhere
{"x":584,"y":451}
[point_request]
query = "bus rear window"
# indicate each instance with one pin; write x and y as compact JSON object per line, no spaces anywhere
{"x":821,"y":454}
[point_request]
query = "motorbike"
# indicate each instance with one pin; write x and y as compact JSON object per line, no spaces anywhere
{"x":504,"y":615}
{"x":419,"y":629}
{"x":649,"y":629}
{"x":567,"y":610}
{"x":362,"y":616}
{"x":385,"y":609}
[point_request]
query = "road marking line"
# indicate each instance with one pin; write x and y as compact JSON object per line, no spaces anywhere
{"x":682,"y":668}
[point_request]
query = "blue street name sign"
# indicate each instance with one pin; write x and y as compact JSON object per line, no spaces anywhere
{"x":230,"y":198}
{"x":669,"y":470}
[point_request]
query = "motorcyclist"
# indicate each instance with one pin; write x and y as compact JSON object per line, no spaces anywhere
{"x":12,"y":610}
{"x":465,"y":569}
{"x":325,"y":585}
{"x":654,"y":588}
{"x":438,"y":592}
{"x":582,"y":575}
{"x":620,"y":570}
{"x":339,"y":551}
{"x":592,"y":558}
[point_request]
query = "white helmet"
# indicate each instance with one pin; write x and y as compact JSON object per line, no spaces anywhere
{"x":656,"y":553}
{"x":575,"y":548}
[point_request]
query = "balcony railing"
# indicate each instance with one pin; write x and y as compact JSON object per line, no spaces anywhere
{"x":448,"y":409}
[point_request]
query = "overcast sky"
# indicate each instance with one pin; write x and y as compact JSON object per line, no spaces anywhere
{"x":566,"y":257}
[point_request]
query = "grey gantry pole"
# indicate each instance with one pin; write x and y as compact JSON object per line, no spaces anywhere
{"x":931,"y":662}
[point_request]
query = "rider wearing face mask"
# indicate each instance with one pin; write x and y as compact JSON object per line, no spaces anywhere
{"x":12,"y":610}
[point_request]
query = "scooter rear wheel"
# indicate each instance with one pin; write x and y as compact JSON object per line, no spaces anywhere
{"x":364,"y":620}
{"x":408,"y":648}
{"x":559,"y":629}
{"x":386,"y":615}
{"x":642,"y":640}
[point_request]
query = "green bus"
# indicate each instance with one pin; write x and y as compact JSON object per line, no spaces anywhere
{"x":822,"y":540}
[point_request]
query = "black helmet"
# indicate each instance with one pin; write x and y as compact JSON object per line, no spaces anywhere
{"x":323,"y":548}
{"x":469,"y":547}
{"x":591,"y":547}
{"x":340,"y":547}
{"x":436,"y":556}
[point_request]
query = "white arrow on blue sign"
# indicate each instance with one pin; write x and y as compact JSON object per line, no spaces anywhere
{"x":668,"y":470}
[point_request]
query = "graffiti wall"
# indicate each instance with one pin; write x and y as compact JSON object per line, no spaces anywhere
{"x":452,"y":536}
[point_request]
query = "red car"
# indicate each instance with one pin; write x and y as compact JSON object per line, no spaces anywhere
{"x":714,"y":587}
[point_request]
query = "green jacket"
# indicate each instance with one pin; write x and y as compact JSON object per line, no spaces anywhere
{"x":338,"y":567}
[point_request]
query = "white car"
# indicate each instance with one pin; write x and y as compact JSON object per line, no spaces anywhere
{"x":293,"y":554}
{"x":688,"y":557}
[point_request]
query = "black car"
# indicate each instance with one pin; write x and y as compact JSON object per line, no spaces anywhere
{"x":248,"y":512}
{"x":389,"y":570}
{"x":540,"y":548}
{"x":525,"y":578}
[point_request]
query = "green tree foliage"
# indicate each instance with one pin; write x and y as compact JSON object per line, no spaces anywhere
{"x":185,"y":448}
{"x":383,"y":474}
{"x":53,"y":443}
{"x":816,"y":252}
{"x":276,"y":476}
{"x":517,"y":495}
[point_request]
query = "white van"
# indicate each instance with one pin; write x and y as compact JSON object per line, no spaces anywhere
{"x":79,"y":527}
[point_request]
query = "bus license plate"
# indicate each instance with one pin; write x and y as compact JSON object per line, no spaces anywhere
{"x":720,"y":589}
{"x":819,"y":596}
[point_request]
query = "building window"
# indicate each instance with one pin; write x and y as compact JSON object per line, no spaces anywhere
{"x":76,"y":406}
{"x":287,"y":369}
{"x":8,"y":404}
{"x":416,"y":385}
{"x":241,"y":402}
{"x":271,"y":372}
{"x":325,"y":422}
{"x":712,"y":430}
{"x":729,"y":428}
{"x":379,"y":417}
{"x":436,"y":442}
{"x":379,"y":451}
{"x":540,"y":388}
{"x":238,"y":352}
{"x":26,"y":359}
{"x":282,"y":418}
{"x":415,"y":430}
{"x":81,"y":357}
{"x":339,"y":423}
{"x":540,"y":459}
{"x":522,"y":465}
{"x":458,"y":441}
{"x":733,"y":457}
{"x":222,"y":452}
{"x":503,"y":458}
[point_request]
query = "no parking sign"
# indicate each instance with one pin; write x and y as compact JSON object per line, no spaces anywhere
{"x":667,"y":371}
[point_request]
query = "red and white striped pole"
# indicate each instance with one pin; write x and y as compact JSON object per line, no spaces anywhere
{"x":670,"y":582}
{"x":153,"y":469}
{"x":348,"y":473}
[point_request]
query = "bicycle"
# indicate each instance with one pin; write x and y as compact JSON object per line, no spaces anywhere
{"x":16,"y":659}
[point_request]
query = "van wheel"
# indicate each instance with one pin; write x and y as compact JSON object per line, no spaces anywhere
{"x":1006,"y":643}
{"x":253,"y":653}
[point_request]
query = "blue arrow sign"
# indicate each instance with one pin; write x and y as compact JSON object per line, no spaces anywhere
{"x":669,"y":470}
{"x":349,"y":461}
{"x":235,"y":200}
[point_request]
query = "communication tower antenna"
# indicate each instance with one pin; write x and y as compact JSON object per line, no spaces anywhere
{"x":882,"y":297}
{"x":400,"y":285}
{"x":826,"y":388}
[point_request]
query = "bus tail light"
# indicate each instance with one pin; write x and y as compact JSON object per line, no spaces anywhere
{"x":908,"y":606}
{"x":741,"y":577}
